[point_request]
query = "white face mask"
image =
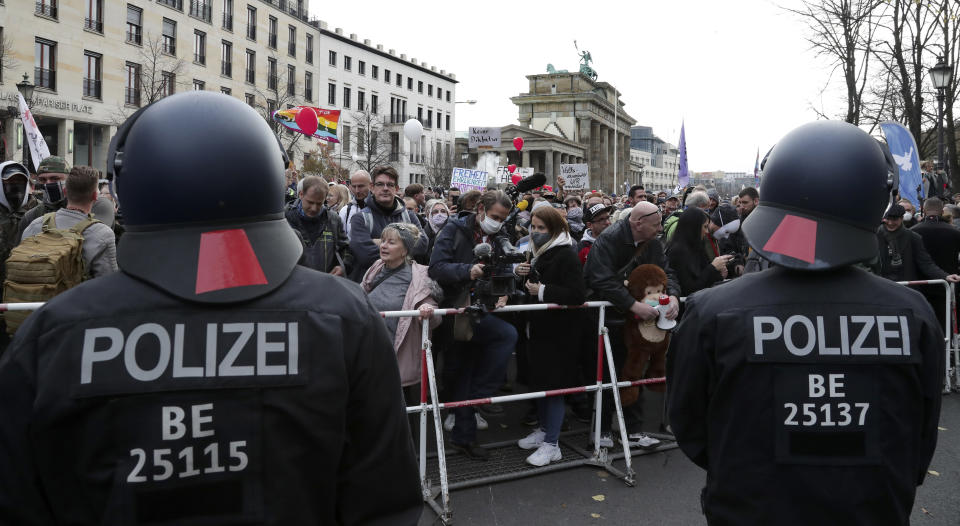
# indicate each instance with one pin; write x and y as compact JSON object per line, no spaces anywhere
{"x":490,"y":226}
{"x":907,"y":216}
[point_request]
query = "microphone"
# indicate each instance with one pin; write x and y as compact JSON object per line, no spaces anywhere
{"x":482,"y":251}
{"x":529,"y":183}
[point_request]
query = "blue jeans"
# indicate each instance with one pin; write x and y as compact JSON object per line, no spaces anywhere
{"x":551,"y":411}
{"x":475,"y":369}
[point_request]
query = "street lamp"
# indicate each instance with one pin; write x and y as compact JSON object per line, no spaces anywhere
{"x":471,"y":101}
{"x":25,"y":87}
{"x":940,"y":77}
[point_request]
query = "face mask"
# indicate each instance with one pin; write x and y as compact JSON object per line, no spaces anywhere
{"x":907,"y":216}
{"x":438,"y":219}
{"x":540,"y":239}
{"x":15,"y":192}
{"x":53,"y":192}
{"x":490,"y":225}
{"x":652,"y":303}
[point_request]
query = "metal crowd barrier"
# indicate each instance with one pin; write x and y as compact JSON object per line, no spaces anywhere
{"x":430,"y":402}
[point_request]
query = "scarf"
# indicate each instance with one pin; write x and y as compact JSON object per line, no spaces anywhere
{"x":575,"y":219}
{"x":556,"y":241}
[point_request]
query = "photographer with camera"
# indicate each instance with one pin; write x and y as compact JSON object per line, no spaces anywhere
{"x":476,"y":362}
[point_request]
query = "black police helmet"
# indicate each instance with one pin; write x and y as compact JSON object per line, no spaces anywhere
{"x":824,"y":189}
{"x":200,"y":179}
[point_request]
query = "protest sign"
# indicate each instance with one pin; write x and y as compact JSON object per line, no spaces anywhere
{"x":484,"y":137}
{"x":466,"y":179}
{"x":503,"y":174}
{"x":576,"y":176}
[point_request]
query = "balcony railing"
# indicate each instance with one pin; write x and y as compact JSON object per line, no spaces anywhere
{"x":228,"y":22}
{"x":200,"y":9}
{"x":251,"y":76}
{"x":200,"y":58}
{"x":45,"y":78}
{"x":134,"y":36}
{"x":47,"y":8}
{"x":292,"y":49}
{"x":176,"y":4}
{"x":309,"y":56}
{"x":272,"y":82}
{"x":272,"y":41}
{"x":93,"y":25}
{"x":226,"y":69}
{"x":132,"y":96}
{"x":169,"y":46}
{"x":91,"y":88}
{"x":394,"y":157}
{"x":395,"y":118}
{"x":308,"y":94}
{"x":291,"y":89}
{"x":427,"y":124}
{"x":251,"y":31}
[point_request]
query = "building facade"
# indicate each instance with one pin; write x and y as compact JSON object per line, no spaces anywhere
{"x":95,"y":62}
{"x":663,"y":158}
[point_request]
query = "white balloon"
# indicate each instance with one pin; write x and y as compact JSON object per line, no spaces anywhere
{"x":412,"y":130}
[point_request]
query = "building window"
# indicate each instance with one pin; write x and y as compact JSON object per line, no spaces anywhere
{"x":134,"y":25}
{"x":419,"y":86}
{"x":308,"y":86}
{"x":439,"y":92}
{"x":429,"y":89}
{"x":346,"y":97}
{"x":251,"y":76}
{"x":420,"y":114}
{"x":272,"y":33}
{"x":91,"y":74}
{"x":200,"y":47}
{"x":429,"y":123}
{"x":309,"y":47}
{"x":226,"y":59}
{"x":373,"y":104}
{"x":168,"y":84}
{"x":201,"y":9}
{"x":169,"y":36}
{"x":333,"y":58}
{"x":272,"y":74}
{"x":332,"y":94}
{"x":251,"y":22}
{"x":374,"y":72}
{"x":94,"y":19}
{"x":292,"y":41}
{"x":399,"y":80}
{"x":132,"y":91}
{"x":386,"y":75}
{"x":225,"y":90}
{"x":291,"y":81}
{"x":361,"y":100}
{"x":176,"y":4}
{"x":347,"y":63}
{"x":271,"y":107}
{"x":45,"y":64}
{"x":345,"y":146}
{"x":361,"y":67}
{"x":448,"y":122}
{"x":199,"y":85}
{"x":410,"y":84}
{"x":228,"y":15}
{"x":249,"y":99}
{"x":448,"y":95}
{"x":47,"y":8}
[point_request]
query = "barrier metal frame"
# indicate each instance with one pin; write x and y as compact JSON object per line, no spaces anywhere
{"x":950,"y":336}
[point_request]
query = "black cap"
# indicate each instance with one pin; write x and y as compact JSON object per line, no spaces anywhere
{"x":595,"y":210}
{"x":825,"y":186}
{"x":895,"y":211}
{"x":200,"y":178}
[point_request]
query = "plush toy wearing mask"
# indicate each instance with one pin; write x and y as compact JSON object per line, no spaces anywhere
{"x":646,"y":343}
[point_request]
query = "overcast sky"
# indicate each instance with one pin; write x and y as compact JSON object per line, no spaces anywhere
{"x":740,"y":74}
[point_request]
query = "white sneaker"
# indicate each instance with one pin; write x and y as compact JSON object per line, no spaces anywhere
{"x":451,"y":420}
{"x":533,"y":440}
{"x":643,"y":441}
{"x":544,"y":455}
{"x":605,"y":440}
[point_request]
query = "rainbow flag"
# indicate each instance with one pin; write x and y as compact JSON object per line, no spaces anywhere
{"x":328,"y":122}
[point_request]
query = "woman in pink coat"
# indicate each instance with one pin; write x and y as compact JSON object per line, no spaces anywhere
{"x":396,"y":282}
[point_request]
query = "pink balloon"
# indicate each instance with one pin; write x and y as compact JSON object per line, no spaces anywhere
{"x":511,"y":168}
{"x":516,"y":178}
{"x":518,"y":143}
{"x":307,"y":120}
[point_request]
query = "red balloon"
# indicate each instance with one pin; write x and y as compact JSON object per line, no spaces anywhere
{"x":516,"y":178}
{"x":518,"y":143}
{"x":307,"y":120}
{"x":511,"y":168}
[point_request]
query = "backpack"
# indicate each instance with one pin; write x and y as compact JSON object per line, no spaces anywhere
{"x":404,"y":218}
{"x":44,"y":265}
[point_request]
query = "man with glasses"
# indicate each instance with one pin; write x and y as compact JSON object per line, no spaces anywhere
{"x":596,"y":218}
{"x":360,"y":186}
{"x":620,"y":249}
{"x":381,"y":208}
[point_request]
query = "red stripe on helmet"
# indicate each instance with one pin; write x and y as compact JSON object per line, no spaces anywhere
{"x":227,"y":260}
{"x":796,"y":237}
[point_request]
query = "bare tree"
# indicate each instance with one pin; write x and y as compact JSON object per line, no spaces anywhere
{"x":373,"y":143}
{"x":7,"y":60}
{"x":156,"y":70}
{"x":843,"y":32}
{"x":439,"y":167}
{"x":322,"y":162}
{"x":281,"y":92}
{"x":947,"y":23}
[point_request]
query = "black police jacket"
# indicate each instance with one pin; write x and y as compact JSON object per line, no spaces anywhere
{"x":806,"y":406}
{"x":942,"y":242}
{"x":123,"y":405}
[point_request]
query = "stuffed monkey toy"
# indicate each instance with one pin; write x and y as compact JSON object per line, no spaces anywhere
{"x":646,"y":343}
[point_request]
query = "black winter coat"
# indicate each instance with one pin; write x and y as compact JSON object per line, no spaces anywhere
{"x":284,"y":409}
{"x":551,"y":349}
{"x":452,"y":257}
{"x":805,"y":405}
{"x":917,"y":263}
{"x":325,"y":244}
{"x":942,"y":242}
{"x":693,"y":268}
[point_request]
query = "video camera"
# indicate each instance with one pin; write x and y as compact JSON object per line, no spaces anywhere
{"x":493,"y":283}
{"x":514,"y":192}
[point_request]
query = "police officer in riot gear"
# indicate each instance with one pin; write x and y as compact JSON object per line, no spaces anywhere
{"x":816,"y":400}
{"x":212,"y":381}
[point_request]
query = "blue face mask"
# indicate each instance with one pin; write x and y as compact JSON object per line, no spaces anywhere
{"x":540,"y":238}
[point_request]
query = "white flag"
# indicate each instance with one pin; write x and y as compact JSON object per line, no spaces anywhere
{"x":38,"y":147}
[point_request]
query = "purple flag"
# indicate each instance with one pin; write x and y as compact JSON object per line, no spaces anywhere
{"x":684,"y":176}
{"x":756,"y":171}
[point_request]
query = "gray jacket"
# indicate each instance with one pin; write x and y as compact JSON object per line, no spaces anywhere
{"x":99,"y":242}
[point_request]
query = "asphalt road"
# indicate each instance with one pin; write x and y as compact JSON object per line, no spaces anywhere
{"x":667,"y":488}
